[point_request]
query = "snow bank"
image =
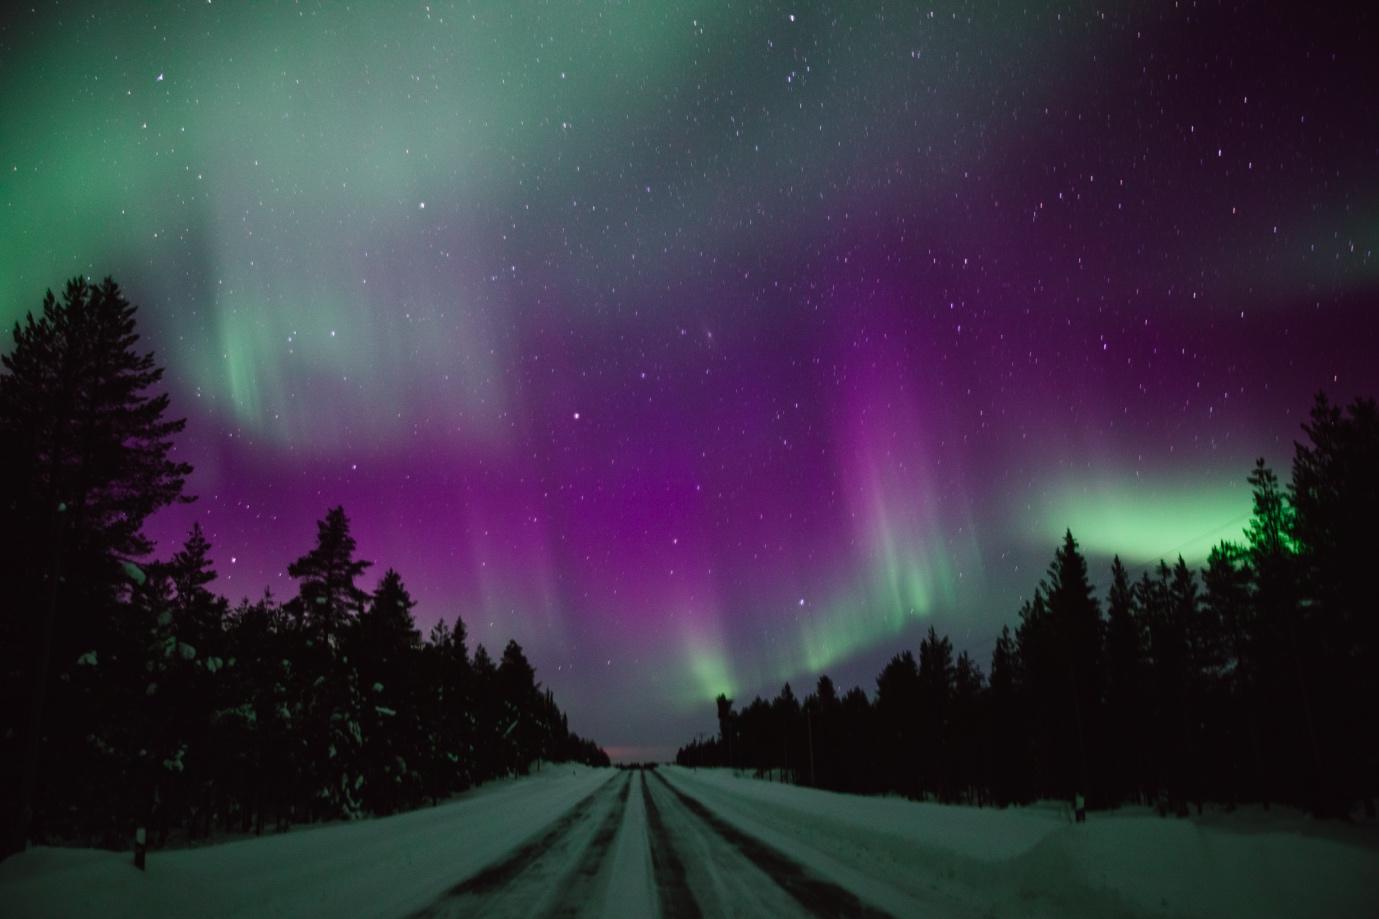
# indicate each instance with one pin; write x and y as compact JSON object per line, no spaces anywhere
{"x":1179,"y":867}
{"x":384,"y":867}
{"x":1033,"y":862}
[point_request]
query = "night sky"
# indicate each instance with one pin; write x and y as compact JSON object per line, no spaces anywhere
{"x":701,"y":347}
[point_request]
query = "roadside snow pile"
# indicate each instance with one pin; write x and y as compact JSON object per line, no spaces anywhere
{"x":385,"y":867}
{"x":1160,"y":866}
{"x":1033,"y":861}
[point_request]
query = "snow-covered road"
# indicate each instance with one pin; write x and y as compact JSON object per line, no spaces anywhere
{"x":706,"y":866}
{"x":638,"y":846}
{"x":670,"y":842}
{"x":556,"y":873}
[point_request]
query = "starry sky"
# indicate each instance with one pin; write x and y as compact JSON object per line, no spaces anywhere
{"x":705,"y":346}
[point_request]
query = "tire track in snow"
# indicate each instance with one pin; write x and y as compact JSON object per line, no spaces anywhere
{"x":672,"y":888}
{"x":476,"y":895}
{"x":577,"y":888}
{"x":816,"y":895}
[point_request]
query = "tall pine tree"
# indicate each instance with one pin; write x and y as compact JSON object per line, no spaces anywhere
{"x":87,"y":446}
{"x":1075,"y":617}
{"x":933,"y":710}
{"x":1006,"y":737}
{"x":325,"y":610}
{"x":1125,"y":688}
{"x":329,"y":599}
{"x":1335,"y":498}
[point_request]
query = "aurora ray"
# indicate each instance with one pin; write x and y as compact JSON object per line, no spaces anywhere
{"x":699,"y":347}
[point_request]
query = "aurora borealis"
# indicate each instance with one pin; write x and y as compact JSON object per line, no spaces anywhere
{"x":702,"y":347}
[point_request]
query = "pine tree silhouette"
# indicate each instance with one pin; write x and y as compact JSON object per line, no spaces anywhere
{"x":87,"y":461}
{"x":328,"y":598}
{"x":1125,"y":689}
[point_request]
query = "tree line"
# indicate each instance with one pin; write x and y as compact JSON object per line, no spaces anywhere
{"x":1253,"y":679}
{"x":134,"y":695}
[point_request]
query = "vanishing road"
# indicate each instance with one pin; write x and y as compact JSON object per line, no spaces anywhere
{"x":641,"y":844}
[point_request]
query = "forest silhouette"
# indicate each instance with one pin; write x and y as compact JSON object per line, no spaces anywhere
{"x":1251,"y":680}
{"x":135,"y":696}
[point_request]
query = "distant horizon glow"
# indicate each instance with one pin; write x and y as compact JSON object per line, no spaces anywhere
{"x":704,"y":349}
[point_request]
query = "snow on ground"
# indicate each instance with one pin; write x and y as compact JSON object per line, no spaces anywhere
{"x":572,"y":841}
{"x":630,"y":889}
{"x":898,"y":854}
{"x":722,"y":880}
{"x":386,"y":867}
